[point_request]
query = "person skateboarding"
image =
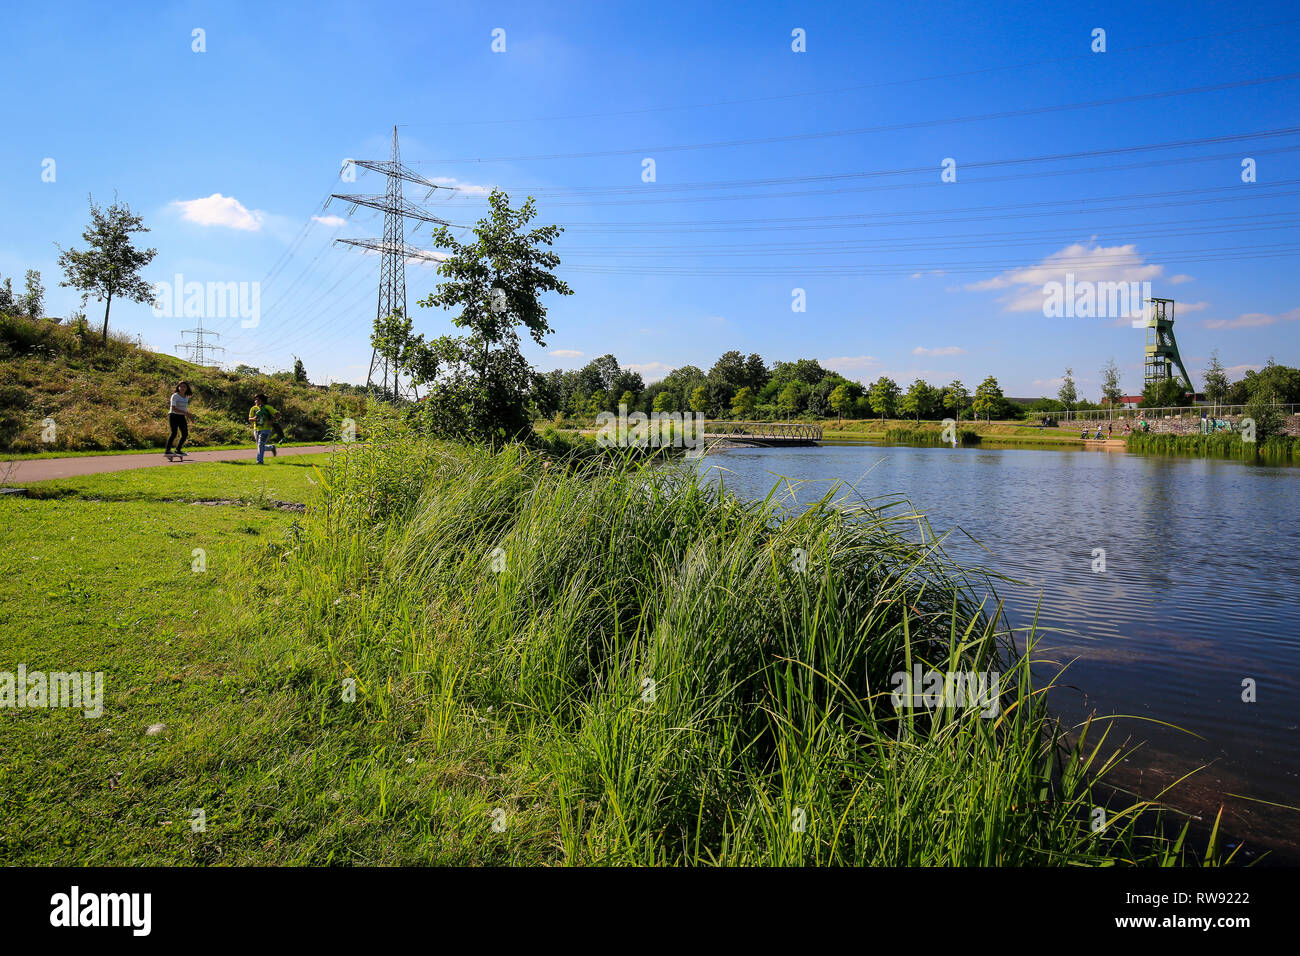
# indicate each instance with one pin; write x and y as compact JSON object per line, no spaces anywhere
{"x":179,"y":417}
{"x":262,"y":417}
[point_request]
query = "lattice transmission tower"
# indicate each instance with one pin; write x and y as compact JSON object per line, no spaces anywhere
{"x":199,"y":349}
{"x":393,"y":251}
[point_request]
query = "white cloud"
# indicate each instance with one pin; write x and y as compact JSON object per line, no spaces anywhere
{"x":650,"y":371}
{"x":1250,"y":320}
{"x":566,"y":353}
{"x":335,"y":221}
{"x":1237,"y":371}
{"x":1087,"y":263}
{"x":1183,"y":307}
{"x":465,"y":189}
{"x":941,"y":350}
{"x":219,"y":210}
{"x":1180,"y":279}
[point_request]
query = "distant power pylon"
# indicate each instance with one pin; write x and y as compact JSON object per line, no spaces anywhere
{"x":199,"y":349}
{"x":393,"y":251}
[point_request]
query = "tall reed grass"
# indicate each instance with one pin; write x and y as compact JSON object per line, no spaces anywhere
{"x":643,"y":669}
{"x":1276,"y":448}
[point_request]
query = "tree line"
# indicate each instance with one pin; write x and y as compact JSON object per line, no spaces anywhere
{"x":740,"y":386}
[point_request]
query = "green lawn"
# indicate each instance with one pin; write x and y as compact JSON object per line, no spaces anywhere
{"x":283,"y":772}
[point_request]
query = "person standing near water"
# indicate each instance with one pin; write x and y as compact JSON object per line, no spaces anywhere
{"x":179,"y":417}
{"x":262,"y":417}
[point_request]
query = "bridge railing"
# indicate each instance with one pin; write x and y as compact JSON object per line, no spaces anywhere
{"x":787,"y":431}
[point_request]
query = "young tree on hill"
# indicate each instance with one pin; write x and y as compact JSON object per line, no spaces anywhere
{"x":34,"y":299}
{"x":110,"y":265}
{"x":299,"y":370}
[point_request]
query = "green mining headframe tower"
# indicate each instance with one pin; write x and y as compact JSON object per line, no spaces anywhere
{"x":1162,"y":347}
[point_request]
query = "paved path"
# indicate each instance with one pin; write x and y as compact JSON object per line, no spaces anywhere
{"x":42,"y":469}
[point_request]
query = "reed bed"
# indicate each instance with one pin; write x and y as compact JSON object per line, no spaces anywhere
{"x":620,"y":663}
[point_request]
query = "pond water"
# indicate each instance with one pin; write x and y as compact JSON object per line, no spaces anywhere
{"x":1200,"y":592}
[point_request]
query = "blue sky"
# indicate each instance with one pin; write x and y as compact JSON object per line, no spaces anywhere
{"x":229,"y":153}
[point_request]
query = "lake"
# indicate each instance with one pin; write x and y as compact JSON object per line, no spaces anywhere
{"x":1200,"y":592}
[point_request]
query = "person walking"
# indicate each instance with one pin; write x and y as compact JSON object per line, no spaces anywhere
{"x":179,"y":417}
{"x":262,"y":417}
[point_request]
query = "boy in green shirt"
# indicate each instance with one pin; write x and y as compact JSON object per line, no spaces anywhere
{"x":262,"y":417}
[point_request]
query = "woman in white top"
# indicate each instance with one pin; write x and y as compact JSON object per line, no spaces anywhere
{"x":178,"y":416}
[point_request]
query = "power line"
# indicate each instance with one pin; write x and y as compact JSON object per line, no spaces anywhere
{"x":888,"y":128}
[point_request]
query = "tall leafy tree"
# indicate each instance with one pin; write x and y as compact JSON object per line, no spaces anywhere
{"x":988,"y":399}
{"x":1216,"y":381}
{"x":479,"y":383}
{"x":1068,"y":393}
{"x":955,"y":398}
{"x":883,"y":396}
{"x":110,"y":264}
{"x":917,"y":400}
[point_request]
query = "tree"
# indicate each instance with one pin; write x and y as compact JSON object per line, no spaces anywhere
{"x":955,"y":397}
{"x":791,"y":398}
{"x":496,"y":283}
{"x":918,"y":400}
{"x":1165,"y":393}
{"x":111,"y":265}
{"x":665,"y":401}
{"x":883,"y":396}
{"x":988,"y":399}
{"x":742,"y":403}
{"x":599,"y":374}
{"x":700,"y":399}
{"x":756,"y":374}
{"x":1110,"y":389}
{"x":1216,"y":381}
{"x":299,"y":370}
{"x":34,"y":300}
{"x":1265,"y":416}
{"x":841,"y":399}
{"x":1067,"y":393}
{"x":1274,"y":383}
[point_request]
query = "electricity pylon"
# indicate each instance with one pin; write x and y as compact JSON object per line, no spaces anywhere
{"x":198,"y":348}
{"x":393,"y":252}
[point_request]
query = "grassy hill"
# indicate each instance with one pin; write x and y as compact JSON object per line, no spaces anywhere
{"x":114,"y":395}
